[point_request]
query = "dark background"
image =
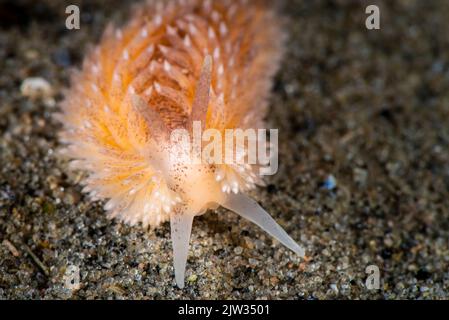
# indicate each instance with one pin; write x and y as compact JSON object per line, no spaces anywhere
{"x":370,"y":108}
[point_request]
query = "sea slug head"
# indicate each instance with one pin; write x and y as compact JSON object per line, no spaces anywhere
{"x":195,"y":182}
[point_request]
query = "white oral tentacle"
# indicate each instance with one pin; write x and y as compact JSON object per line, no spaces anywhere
{"x":252,"y":211}
{"x":181,"y":227}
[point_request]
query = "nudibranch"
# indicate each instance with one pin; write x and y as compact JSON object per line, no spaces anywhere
{"x":173,"y":64}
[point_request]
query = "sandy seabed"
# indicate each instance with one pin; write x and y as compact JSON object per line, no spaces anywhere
{"x":365,"y":110}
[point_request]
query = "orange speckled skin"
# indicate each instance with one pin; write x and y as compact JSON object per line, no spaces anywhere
{"x":159,"y":56}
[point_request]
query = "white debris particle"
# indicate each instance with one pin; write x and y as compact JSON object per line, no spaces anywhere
{"x":36,"y":88}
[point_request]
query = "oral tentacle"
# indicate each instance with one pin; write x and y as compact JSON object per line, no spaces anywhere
{"x":181,"y":227}
{"x":252,"y":211}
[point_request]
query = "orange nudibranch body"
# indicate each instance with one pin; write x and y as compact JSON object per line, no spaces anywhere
{"x":174,"y":63}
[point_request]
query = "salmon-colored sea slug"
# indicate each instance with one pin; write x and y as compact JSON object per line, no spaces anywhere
{"x":175,"y":63}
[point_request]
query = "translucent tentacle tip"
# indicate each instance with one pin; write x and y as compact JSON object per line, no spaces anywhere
{"x":181,"y":226}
